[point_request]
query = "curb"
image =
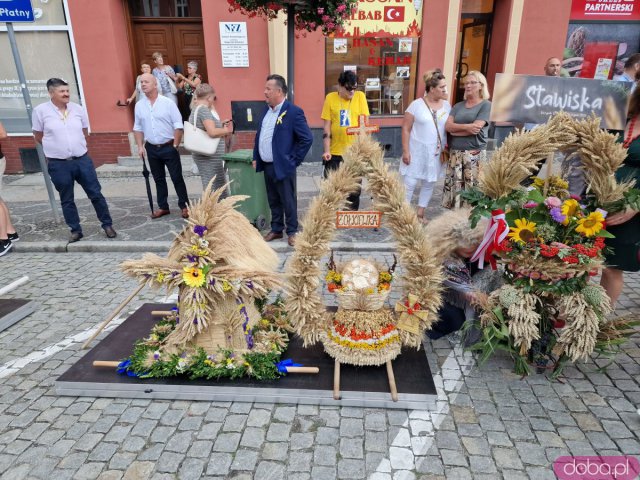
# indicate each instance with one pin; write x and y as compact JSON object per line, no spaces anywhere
{"x":96,"y":246}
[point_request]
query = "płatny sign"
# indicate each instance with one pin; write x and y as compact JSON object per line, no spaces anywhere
{"x":350,"y":219}
{"x":16,"y":11}
{"x":533,"y":99}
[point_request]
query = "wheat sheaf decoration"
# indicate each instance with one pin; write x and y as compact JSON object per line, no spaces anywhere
{"x":422,"y":275}
{"x":549,"y":309}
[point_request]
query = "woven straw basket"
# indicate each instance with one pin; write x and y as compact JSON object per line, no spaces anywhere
{"x":362,"y":301}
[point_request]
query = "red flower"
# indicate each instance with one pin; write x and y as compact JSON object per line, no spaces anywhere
{"x":571,"y":259}
{"x":559,"y":323}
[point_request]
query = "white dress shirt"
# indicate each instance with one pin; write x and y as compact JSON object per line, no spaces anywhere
{"x":157,"y":122}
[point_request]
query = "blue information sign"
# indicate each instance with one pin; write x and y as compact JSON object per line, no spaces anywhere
{"x":16,"y":11}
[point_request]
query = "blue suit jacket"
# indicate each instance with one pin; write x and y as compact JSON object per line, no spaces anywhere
{"x":291,"y":141}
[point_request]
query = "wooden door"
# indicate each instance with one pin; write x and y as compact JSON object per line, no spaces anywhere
{"x":179,"y":43}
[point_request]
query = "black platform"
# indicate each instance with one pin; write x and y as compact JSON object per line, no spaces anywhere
{"x":360,"y":386}
{"x":13,"y":310}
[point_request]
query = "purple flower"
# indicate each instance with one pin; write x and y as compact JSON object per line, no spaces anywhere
{"x":199,"y":230}
{"x":556,"y":214}
{"x":320,"y":11}
{"x":192,"y":258}
{"x":195,"y":321}
{"x":250,"y":284}
{"x":156,"y":355}
{"x":530,"y":204}
{"x":212,"y":282}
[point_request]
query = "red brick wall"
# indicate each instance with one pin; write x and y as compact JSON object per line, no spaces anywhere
{"x":243,"y":140}
{"x":103,"y":148}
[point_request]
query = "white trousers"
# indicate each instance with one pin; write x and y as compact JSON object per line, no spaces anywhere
{"x":426,"y":190}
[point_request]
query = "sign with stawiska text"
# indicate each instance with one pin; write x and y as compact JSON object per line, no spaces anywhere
{"x":349,"y":219}
{"x":533,"y":99}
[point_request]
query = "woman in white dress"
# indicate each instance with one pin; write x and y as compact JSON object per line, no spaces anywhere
{"x":424,"y":138}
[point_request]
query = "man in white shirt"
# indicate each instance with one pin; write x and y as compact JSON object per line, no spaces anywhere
{"x":61,"y":126}
{"x":158,"y":131}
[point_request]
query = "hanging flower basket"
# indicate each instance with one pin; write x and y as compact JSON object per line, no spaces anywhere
{"x":330,"y":15}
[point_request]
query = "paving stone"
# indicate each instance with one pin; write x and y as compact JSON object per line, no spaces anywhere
{"x":253,"y":437}
{"x":324,"y":455}
{"x":103,"y":452}
{"x":200,"y":449}
{"x":244,"y":460}
{"x":209,"y":431}
{"x":302,"y":441}
{"x":219,"y":464}
{"x":191,"y":468}
{"x":324,"y":473}
{"x":121,"y":461}
{"x":350,"y":468}
{"x":300,"y":461}
{"x":226,"y":442}
{"x":351,"y":427}
{"x":453,"y":458}
{"x":457,"y":473}
{"x":234,"y":423}
{"x":550,"y":439}
{"x":532,"y":454}
{"x":270,"y":471}
{"x":284,"y":414}
{"x":275,"y":451}
{"x":327,"y":436}
{"x":351,"y":448}
{"x":476,"y":445}
{"x":179,"y":442}
{"x":279,"y":432}
{"x":506,"y":458}
{"x":481,"y":464}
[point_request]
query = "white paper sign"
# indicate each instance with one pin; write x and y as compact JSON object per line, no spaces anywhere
{"x":234,"y":45}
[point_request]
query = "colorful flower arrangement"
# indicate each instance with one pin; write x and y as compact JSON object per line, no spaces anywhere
{"x":266,"y":341}
{"x":550,"y":244}
{"x":329,"y":15}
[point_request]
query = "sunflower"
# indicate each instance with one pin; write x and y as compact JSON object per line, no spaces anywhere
{"x":523,"y":232}
{"x":570,"y":208}
{"x":193,"y":276}
{"x":590,"y":225}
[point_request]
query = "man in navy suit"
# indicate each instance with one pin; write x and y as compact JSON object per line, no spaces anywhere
{"x":282,"y":141}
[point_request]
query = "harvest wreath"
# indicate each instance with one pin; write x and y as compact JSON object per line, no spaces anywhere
{"x":358,"y":336}
{"x":550,"y":244}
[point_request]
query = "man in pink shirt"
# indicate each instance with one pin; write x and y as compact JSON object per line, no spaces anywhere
{"x":61,"y":126}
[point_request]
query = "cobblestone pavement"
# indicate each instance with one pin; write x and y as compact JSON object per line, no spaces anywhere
{"x":487,"y":423}
{"x":129,"y":207}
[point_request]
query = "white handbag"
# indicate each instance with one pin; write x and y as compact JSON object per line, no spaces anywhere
{"x":197,"y":140}
{"x":172,"y":85}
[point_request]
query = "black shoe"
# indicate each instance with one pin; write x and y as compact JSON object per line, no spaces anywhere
{"x":110,"y":232}
{"x":75,"y":236}
{"x":14,"y":237}
{"x":5,"y":246}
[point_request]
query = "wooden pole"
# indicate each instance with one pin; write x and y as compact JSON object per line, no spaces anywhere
{"x":548,"y":173}
{"x":13,"y":285}
{"x":392,"y":382}
{"x":112,"y":316}
{"x":336,"y":381}
{"x":115,"y":363}
{"x":161,"y":313}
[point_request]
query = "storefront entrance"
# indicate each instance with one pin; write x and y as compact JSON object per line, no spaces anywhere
{"x":474,"y":40}
{"x":172,"y":28}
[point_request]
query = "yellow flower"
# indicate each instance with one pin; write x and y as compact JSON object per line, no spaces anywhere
{"x":570,"y":208}
{"x":226,"y":286}
{"x":523,"y":231}
{"x":193,"y":276}
{"x":590,"y":225}
{"x":160,"y":277}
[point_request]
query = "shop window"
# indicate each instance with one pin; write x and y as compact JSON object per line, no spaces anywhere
{"x":45,"y":51}
{"x":165,"y":8}
{"x":386,"y":69}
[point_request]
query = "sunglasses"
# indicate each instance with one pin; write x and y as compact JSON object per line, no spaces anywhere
{"x":350,"y":88}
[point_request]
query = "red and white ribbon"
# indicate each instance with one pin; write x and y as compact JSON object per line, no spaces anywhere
{"x":496,"y":232}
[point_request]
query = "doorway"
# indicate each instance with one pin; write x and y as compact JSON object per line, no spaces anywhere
{"x":474,"y":40}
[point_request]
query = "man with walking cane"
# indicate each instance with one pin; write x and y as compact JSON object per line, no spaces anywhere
{"x":158,"y":131}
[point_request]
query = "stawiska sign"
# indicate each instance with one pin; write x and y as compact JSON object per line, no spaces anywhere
{"x":349,"y":219}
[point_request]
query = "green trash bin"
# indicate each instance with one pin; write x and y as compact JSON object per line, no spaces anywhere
{"x":245,"y":181}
